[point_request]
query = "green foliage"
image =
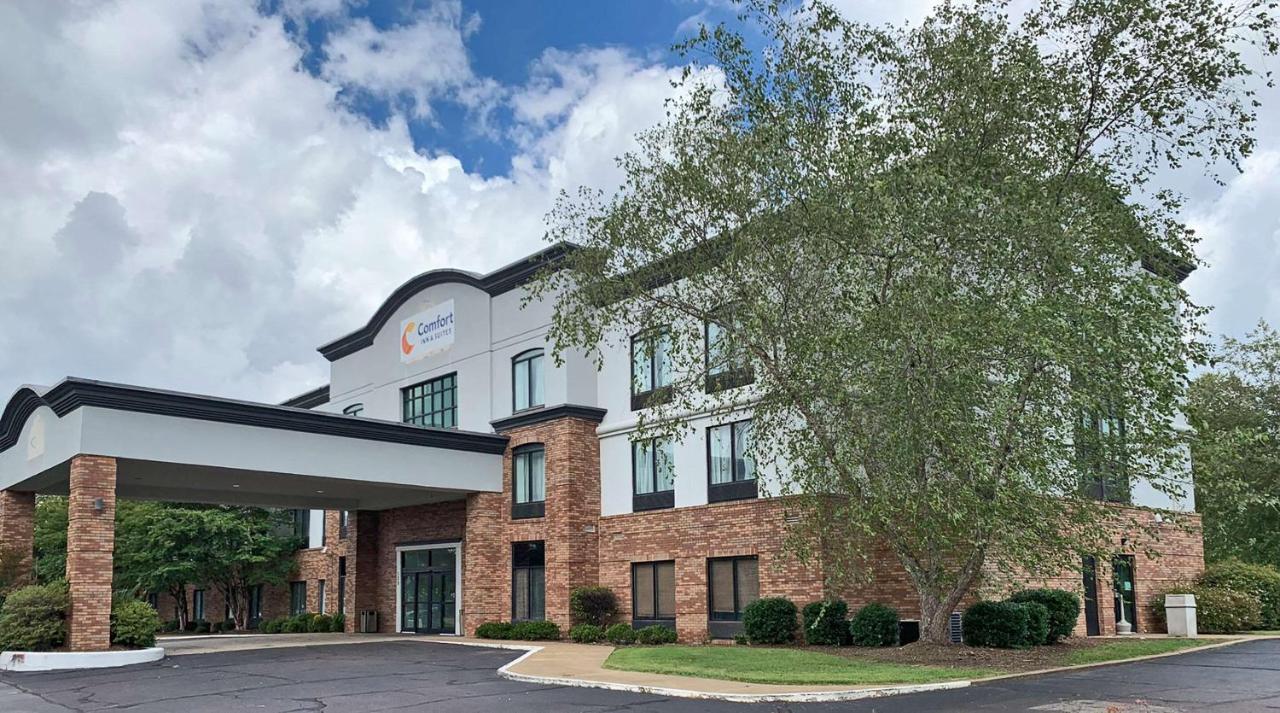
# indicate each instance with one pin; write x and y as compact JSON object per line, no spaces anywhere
{"x":655,"y":635}
{"x":297,"y":624}
{"x":34,"y":618}
{"x":320,"y":623}
{"x":946,"y":218}
{"x":272,"y":626}
{"x":593,"y":605}
{"x":339,"y":623}
{"x":1001,"y":625}
{"x":825,"y":622}
{"x":770,"y":620}
{"x":1038,"y":625}
{"x":586,"y":634}
{"x":1260,"y":581}
{"x":134,"y":623}
{"x":203,"y":627}
{"x":874,"y":625}
{"x":494,"y":630}
{"x":535,"y":631}
{"x":1218,"y":610}
{"x":1063,"y":606}
{"x":620,"y":634}
{"x":51,"y":538}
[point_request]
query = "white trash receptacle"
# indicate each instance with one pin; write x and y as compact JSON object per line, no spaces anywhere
{"x":1180,"y":613}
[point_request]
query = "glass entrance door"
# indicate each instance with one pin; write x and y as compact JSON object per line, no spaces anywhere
{"x":428,"y":586}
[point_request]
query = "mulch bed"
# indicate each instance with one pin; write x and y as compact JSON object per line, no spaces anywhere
{"x":957,"y":655}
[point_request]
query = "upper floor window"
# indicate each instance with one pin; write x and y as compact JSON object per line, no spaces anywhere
{"x":650,"y":367}
{"x":727,"y":363}
{"x":1101,"y":450}
{"x":731,"y":473}
{"x":432,"y":403}
{"x":653,"y":474}
{"x":529,"y":486}
{"x":302,"y":526}
{"x":344,"y":524}
{"x":353,"y":410}
{"x":526,"y":380}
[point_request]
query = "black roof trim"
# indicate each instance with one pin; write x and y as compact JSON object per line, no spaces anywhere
{"x":318,"y":396}
{"x":73,"y":393}
{"x":542,"y":414}
{"x":497,"y":282}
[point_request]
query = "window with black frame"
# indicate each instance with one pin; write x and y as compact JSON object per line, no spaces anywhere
{"x":344,"y":524}
{"x":653,"y":475}
{"x":433,"y":404}
{"x":732,"y":584}
{"x":650,"y":368}
{"x":197,"y":605}
{"x":297,"y":598}
{"x":727,"y":362}
{"x":731,"y":472}
{"x":529,"y":487}
{"x":653,"y":594}
{"x":526,"y":380}
{"x":1100,"y":447}
{"x":302,"y":527}
{"x":528,"y":581}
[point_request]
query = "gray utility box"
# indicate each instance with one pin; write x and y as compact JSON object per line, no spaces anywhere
{"x":1180,"y":613}
{"x":368,"y":621}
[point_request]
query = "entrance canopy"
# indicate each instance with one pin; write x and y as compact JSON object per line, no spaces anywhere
{"x":189,"y":448}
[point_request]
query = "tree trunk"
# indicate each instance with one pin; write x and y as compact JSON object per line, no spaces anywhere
{"x":936,"y":605}
{"x":179,"y":595}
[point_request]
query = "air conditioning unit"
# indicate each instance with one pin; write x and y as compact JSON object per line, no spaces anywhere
{"x":368,"y":621}
{"x":957,"y":633}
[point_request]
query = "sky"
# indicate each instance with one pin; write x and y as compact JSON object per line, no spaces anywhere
{"x":195,"y":195}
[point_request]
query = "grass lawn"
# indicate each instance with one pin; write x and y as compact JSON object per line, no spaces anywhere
{"x":781,"y":666}
{"x":1115,"y":650}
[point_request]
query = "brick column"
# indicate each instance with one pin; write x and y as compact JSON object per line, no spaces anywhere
{"x":17,"y":530}
{"x":90,"y":544}
{"x":362,"y":571}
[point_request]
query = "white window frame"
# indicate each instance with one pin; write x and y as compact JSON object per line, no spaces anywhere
{"x":457,"y":578}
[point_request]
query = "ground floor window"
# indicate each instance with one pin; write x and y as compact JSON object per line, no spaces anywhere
{"x":653,"y":593}
{"x":320,"y":600}
{"x":342,"y":585}
{"x":297,"y":598}
{"x":528,"y":581}
{"x":197,"y":605}
{"x":732,"y":584}
{"x":255,"y":605}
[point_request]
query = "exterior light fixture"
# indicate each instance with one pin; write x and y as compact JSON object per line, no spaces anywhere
{"x":99,"y":505}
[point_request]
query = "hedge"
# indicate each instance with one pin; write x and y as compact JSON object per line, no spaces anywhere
{"x":339,"y":623}
{"x":586,"y":634}
{"x":134,"y":623}
{"x":494,"y":630}
{"x":771,"y":620}
{"x":535,"y":631}
{"x":1218,"y":610}
{"x":655,"y":635}
{"x":874,"y":625}
{"x":33,"y":618}
{"x":320,"y":623}
{"x":1000,"y":625}
{"x":1037,"y":623}
{"x":826,"y":622}
{"x":593,"y":605}
{"x":1261,"y":581}
{"x":620,"y":634}
{"x":1063,"y":607}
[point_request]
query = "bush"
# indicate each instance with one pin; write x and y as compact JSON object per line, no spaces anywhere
{"x":1001,"y":625}
{"x":1262,"y":581}
{"x":217,"y":627}
{"x":33,"y":618}
{"x":271,"y":626}
{"x":620,"y":634}
{"x":771,"y":620}
{"x":874,"y":625}
{"x":190,"y":626}
{"x":1038,"y":626}
{"x":593,"y":605}
{"x":1063,"y":606}
{"x":229,"y":625}
{"x":656,"y":635}
{"x":320,"y":623}
{"x":586,"y":634}
{"x":339,"y":622}
{"x":171,"y":625}
{"x":494,"y":630}
{"x":1218,"y":610}
{"x":296,"y":624}
{"x":825,"y":623}
{"x":535,"y":631}
{"x":203,"y":627}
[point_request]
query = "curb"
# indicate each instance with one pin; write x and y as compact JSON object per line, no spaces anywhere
{"x":34,"y":661}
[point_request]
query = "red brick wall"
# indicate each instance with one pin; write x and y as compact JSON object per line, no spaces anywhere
{"x":90,"y":545}
{"x":400,"y":526}
{"x":17,"y":529}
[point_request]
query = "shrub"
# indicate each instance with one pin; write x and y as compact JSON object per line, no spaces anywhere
{"x":271,"y":626}
{"x":593,"y":605}
{"x":217,"y":627}
{"x":189,"y":626}
{"x":33,"y":618}
{"x":656,"y":635}
{"x":1063,"y":606}
{"x":494,"y":630}
{"x":1262,"y":581}
{"x":586,"y":633}
{"x":295,"y":624}
{"x":1218,"y":610}
{"x":339,"y":622}
{"x":874,"y":625}
{"x":535,"y":631}
{"x":320,"y":623}
{"x":1001,"y":625}
{"x":620,"y":634}
{"x":1038,"y":626}
{"x":771,"y":620}
{"x":203,"y":627}
{"x":825,"y":623}
{"x":171,"y":625}
{"x":229,"y":625}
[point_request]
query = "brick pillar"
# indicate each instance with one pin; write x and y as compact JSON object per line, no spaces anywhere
{"x":17,"y":531}
{"x":362,"y":571}
{"x":90,"y":543}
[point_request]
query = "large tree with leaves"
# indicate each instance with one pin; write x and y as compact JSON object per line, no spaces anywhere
{"x":925,"y":244}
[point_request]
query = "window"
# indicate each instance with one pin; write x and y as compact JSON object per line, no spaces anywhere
{"x":302,"y":527}
{"x":653,"y":474}
{"x":197,"y":605}
{"x":528,"y":582}
{"x":653,"y":594}
{"x":320,"y":602}
{"x":732,"y":584}
{"x":526,"y":380}
{"x":731,"y":473}
{"x":1100,"y":447}
{"x":297,"y":598}
{"x":529,"y":486}
{"x":342,"y":585}
{"x":727,"y":363}
{"x":650,"y":368}
{"x":324,"y":529}
{"x":432,"y":403}
{"x":353,"y":410}
{"x":154,"y":600}
{"x":344,"y":524}
{"x":255,"y":605}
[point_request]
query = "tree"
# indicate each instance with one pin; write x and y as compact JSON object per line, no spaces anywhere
{"x":50,"y":538}
{"x":922,"y":248}
{"x":1234,"y":412}
{"x":158,"y":548}
{"x":244,"y":547}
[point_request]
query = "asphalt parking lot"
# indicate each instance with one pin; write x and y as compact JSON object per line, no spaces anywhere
{"x":417,"y":676}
